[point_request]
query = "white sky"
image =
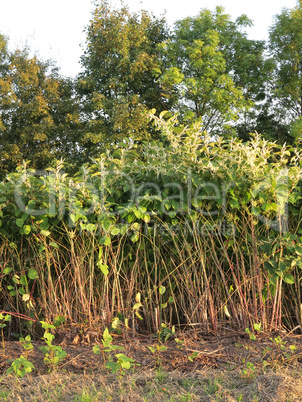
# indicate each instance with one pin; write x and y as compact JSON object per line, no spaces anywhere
{"x":54,"y":29}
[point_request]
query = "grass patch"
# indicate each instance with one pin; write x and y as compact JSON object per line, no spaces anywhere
{"x":207,"y":385}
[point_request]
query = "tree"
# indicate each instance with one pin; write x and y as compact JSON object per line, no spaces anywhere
{"x":38,"y":113}
{"x":216,"y":72}
{"x":286,"y":48}
{"x":119,"y":85}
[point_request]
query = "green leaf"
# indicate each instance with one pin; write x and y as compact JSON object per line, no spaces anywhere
{"x":288,"y":278}
{"x":138,"y":214}
{"x":152,"y":349}
{"x":59,"y":320}
{"x":126,"y":362}
{"x":46,"y":325}
{"x":234,"y":203}
{"x":44,"y":225}
{"x":96,"y":349}
{"x":137,"y":306}
{"x":162,"y":290}
{"x":32,"y":274}
{"x":130,"y":217}
{"x":23,"y":280}
{"x":105,"y":240}
{"x":16,"y":279}
{"x":26,"y":229}
{"x":135,"y":237}
{"x":115,"y":231}
{"x":298,"y":250}
{"x":116,"y":347}
{"x":146,"y":218}
{"x":106,"y":334}
{"x":7,"y":270}
{"x":193,"y":356}
{"x":104,"y":269}
{"x":113,"y":366}
{"x":256,"y":210}
{"x":72,"y":217}
{"x":19,"y":222}
{"x":91,"y":227}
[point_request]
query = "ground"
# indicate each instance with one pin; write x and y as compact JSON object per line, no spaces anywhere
{"x":231,"y":367}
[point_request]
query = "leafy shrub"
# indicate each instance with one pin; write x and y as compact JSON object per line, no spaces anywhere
{"x":214,"y":223}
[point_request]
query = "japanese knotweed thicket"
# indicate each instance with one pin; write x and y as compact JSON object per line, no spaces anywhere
{"x":187,"y":231}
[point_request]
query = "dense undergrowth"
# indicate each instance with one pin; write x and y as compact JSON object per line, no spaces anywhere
{"x":187,"y":231}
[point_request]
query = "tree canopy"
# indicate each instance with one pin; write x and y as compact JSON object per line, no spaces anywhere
{"x":286,"y":48}
{"x":37,"y":111}
{"x":205,"y":69}
{"x":119,"y":85}
{"x":202,"y":70}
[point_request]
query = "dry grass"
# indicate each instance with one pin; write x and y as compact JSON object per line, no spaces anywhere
{"x":216,"y":374}
{"x":204,"y":385}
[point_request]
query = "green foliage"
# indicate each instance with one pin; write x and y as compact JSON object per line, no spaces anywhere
{"x":122,"y":361}
{"x":162,"y":224}
{"x":285,"y":45}
{"x":285,"y":48}
{"x":249,"y":371}
{"x":119,"y":83}
{"x":3,"y":319}
{"x":251,"y":335}
{"x":20,"y":367}
{"x":53,"y":354}
{"x":179,"y":343}
{"x":193,"y":356}
{"x":197,"y":227}
{"x":157,"y":352}
{"x":27,"y":345}
{"x":216,"y":71}
{"x":38,"y":114}
{"x":108,"y":345}
{"x":164,"y":332}
{"x":257,"y":327}
{"x":205,"y":69}
{"x":278,"y":354}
